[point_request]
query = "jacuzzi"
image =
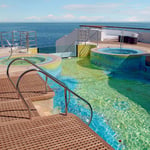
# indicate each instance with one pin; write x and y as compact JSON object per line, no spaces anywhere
{"x":48,"y":62}
{"x":122,"y":59}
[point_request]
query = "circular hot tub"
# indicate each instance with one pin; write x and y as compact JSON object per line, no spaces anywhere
{"x":50,"y":63}
{"x":37,"y":59}
{"x":122,"y":59}
{"x":120,"y":51}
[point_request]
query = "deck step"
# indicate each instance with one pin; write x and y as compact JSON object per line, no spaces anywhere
{"x":16,"y":110}
{"x":52,"y":132}
{"x":31,"y":86}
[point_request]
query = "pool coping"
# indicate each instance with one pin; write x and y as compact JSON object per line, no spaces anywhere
{"x":95,"y":50}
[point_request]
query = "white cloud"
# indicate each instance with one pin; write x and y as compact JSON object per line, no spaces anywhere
{"x":132,"y":19}
{"x":69,"y":16}
{"x":33,"y":18}
{"x":137,"y":14}
{"x":3,"y":6}
{"x":61,"y":18}
{"x":98,"y":6}
{"x":110,"y":12}
{"x":93,"y":18}
{"x":92,"y":8}
{"x":50,"y":16}
{"x":145,"y":11}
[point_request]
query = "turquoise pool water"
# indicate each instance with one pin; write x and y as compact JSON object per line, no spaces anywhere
{"x":36,"y":59}
{"x":121,"y":105}
{"x":120,"y":51}
{"x":129,"y":60}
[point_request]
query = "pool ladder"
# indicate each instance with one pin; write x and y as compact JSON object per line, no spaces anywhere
{"x":38,"y":69}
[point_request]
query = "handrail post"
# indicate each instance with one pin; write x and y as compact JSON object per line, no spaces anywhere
{"x":11,"y":48}
{"x":121,"y":39}
{"x":46,"y":90}
{"x":27,"y":41}
{"x":1,"y":39}
{"x":66,"y":106}
{"x":13,"y":38}
{"x":19,"y":92}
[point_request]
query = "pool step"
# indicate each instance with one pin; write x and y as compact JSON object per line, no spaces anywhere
{"x":52,"y":132}
{"x":31,"y":86}
{"x":16,"y":110}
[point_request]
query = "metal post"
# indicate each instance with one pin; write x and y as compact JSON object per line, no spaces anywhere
{"x":1,"y":39}
{"x":46,"y":88}
{"x":66,"y":106}
{"x":27,"y":41}
{"x":66,"y":89}
{"x":88,"y":35}
{"x":121,"y":39}
{"x":20,"y":39}
{"x":97,"y":37}
{"x":35,"y":39}
{"x":12,"y":38}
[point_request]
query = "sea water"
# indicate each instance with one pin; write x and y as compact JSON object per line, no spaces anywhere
{"x":48,"y":33}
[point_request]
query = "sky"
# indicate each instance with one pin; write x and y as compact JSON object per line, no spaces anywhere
{"x":74,"y":10}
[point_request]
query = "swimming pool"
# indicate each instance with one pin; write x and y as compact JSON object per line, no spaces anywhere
{"x":34,"y":59}
{"x":122,"y":59}
{"x":124,"y":51}
{"x":51,"y":63}
{"x":122,"y":104}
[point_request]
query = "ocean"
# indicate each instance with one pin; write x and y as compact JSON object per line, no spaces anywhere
{"x":48,"y":33}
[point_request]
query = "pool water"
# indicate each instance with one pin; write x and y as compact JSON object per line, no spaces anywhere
{"x":129,"y":60}
{"x":120,"y":51}
{"x":121,"y":104}
{"x":34,"y":59}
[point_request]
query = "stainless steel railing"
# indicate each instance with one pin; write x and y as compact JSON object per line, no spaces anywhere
{"x":38,"y":69}
{"x":11,"y":50}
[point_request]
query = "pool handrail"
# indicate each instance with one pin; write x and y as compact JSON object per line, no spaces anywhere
{"x":39,"y":69}
{"x":11,"y":49}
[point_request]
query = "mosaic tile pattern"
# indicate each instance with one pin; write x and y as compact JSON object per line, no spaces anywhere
{"x":123,"y":103}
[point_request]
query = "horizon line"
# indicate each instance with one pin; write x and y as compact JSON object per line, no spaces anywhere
{"x":78,"y":22}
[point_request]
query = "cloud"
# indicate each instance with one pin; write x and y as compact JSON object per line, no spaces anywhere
{"x":145,"y":11}
{"x":50,"y":16}
{"x":3,"y":6}
{"x":110,"y":12}
{"x":136,"y":14}
{"x":69,"y":16}
{"x":77,"y":6}
{"x":62,"y":17}
{"x":132,"y":19}
{"x":93,"y":18}
{"x":33,"y":18}
{"x":42,"y":18}
{"x":92,"y":8}
{"x":66,"y":17}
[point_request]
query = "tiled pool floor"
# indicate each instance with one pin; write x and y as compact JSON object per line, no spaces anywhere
{"x":124,"y":103}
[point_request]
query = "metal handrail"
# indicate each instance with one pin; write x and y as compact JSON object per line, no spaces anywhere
{"x":52,"y":78}
{"x":72,"y":45}
{"x":89,"y":37}
{"x":11,"y":50}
